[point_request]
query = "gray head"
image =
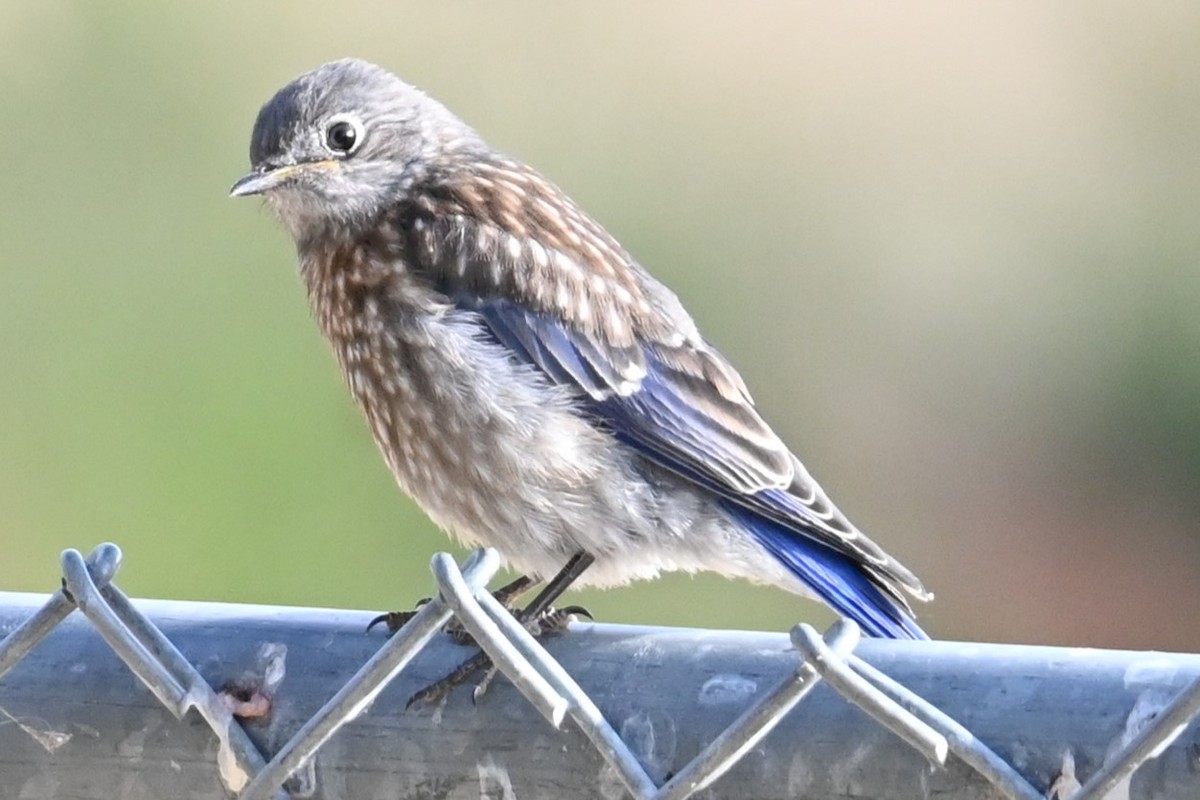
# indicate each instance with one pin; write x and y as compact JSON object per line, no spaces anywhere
{"x":340,"y":144}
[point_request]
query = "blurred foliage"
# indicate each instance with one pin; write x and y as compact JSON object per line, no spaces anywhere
{"x":953,"y":250}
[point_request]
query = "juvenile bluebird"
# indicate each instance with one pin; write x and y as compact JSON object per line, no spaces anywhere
{"x":530,"y":385}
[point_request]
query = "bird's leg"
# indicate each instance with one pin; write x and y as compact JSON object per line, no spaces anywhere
{"x":540,"y":605}
{"x":539,"y":617}
{"x":506,"y":595}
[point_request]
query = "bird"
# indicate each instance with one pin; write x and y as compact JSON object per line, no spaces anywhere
{"x":530,"y":385}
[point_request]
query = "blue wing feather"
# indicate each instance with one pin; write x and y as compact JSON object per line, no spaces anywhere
{"x":660,"y":416}
{"x":659,"y":420}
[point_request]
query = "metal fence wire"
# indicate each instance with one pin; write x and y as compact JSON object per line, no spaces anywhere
{"x":250,"y":774}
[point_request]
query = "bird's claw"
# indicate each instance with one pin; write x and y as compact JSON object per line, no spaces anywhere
{"x":555,"y":620}
{"x":440,"y":689}
{"x":395,"y":620}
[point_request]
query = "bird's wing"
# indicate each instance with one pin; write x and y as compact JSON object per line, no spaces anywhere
{"x":561,"y":293}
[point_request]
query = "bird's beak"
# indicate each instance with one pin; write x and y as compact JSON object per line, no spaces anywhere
{"x":261,"y":180}
{"x":264,"y":179}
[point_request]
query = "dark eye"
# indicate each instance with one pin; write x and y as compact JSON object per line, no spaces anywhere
{"x":342,"y":136}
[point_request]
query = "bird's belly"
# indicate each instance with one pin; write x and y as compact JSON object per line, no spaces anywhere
{"x":488,"y":448}
{"x":496,"y":455}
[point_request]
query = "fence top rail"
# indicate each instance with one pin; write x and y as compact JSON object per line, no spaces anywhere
{"x":1050,"y":712}
{"x":1142,"y":665}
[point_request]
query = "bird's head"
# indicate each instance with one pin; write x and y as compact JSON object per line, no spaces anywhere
{"x":340,"y":144}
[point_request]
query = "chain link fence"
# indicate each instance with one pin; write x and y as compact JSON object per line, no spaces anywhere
{"x":233,"y":706}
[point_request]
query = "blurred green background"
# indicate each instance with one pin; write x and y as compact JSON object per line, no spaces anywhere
{"x":953,"y":250}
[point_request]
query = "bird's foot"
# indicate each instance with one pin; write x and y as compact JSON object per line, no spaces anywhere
{"x":506,"y":595}
{"x":550,"y":622}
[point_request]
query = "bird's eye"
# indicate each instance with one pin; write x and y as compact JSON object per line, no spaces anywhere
{"x":343,"y":136}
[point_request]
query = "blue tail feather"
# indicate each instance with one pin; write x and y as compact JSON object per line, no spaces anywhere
{"x":832,"y":576}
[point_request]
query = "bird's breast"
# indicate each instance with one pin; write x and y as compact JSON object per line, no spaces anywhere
{"x":487,"y":447}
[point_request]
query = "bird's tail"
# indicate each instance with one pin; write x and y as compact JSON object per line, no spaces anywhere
{"x":834,"y":577}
